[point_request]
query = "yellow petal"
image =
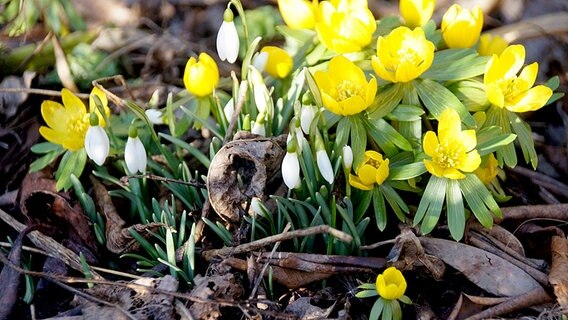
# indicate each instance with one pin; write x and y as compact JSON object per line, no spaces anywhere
{"x":381,"y":71}
{"x":325,"y":83}
{"x":434,"y":168}
{"x":51,"y":135}
{"x":357,"y":183}
{"x":371,"y":91}
{"x":343,"y":69}
{"x":331,"y":104}
{"x":54,"y":115}
{"x":449,"y":125}
{"x":367,"y":174}
{"x":352,"y":105}
{"x":382,"y":172}
{"x":527,"y":77}
{"x":72,"y":103}
{"x":373,"y":155}
{"x":507,"y":65}
{"x":534,"y":99}
{"x":495,"y":95}
{"x":472,"y":162}
{"x":468,"y":138}
{"x":431,"y":143}
{"x":452,"y":173}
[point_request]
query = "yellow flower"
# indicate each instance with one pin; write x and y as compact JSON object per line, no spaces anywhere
{"x":416,"y":12}
{"x":200,"y":78}
{"x":507,"y":90}
{"x":452,"y":151}
{"x":279,"y":63}
{"x":461,"y":27}
{"x":488,"y":170}
{"x":344,"y":88}
{"x":403,"y":55}
{"x":298,"y":14}
{"x":67,"y":124}
{"x":490,"y":45}
{"x":373,"y":170}
{"x":391,"y":284}
{"x":345,"y":26}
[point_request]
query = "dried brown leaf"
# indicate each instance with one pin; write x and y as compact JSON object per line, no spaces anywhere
{"x":558,"y":276}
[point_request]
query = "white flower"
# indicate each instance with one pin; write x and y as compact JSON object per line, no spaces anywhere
{"x":258,"y":128}
{"x":347,"y":157}
{"x":256,"y":206}
{"x":306,"y":117}
{"x":291,"y":170}
{"x":228,"y":38}
{"x":155,"y":116}
{"x":324,"y":166}
{"x":259,"y":61}
{"x":229,"y":109}
{"x":135,"y":155}
{"x":97,"y":144}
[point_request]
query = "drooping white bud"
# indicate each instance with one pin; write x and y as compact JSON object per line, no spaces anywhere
{"x":135,"y":153}
{"x":97,"y":144}
{"x":291,"y":170}
{"x":347,"y":157}
{"x":228,"y":38}
{"x":324,"y":166}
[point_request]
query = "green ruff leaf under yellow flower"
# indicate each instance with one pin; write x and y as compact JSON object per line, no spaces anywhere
{"x":67,"y":124}
{"x":344,"y":88}
{"x":403,"y":55}
{"x":374,"y":169}
{"x":345,"y":26}
{"x":507,"y":90}
{"x":452,"y":150}
{"x":391,"y":284}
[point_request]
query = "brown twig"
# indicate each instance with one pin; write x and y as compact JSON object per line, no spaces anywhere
{"x":546,"y":211}
{"x":545,"y":181}
{"x":531,"y":298}
{"x":44,"y":92}
{"x":251,"y":246}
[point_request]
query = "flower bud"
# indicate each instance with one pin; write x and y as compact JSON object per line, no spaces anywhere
{"x":97,"y":144}
{"x":291,"y":170}
{"x":134,"y":152}
{"x":347,"y":153}
{"x":306,"y":118}
{"x":201,"y":77}
{"x":279,"y":62}
{"x":322,"y":159}
{"x":155,"y":116}
{"x":228,"y":38}
{"x":461,"y":27}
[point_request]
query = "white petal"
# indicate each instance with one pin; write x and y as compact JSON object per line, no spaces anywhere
{"x":306,"y":117}
{"x":261,"y":97}
{"x":291,"y":170}
{"x":324,"y":166}
{"x":258,"y":128}
{"x":97,"y":144}
{"x":135,"y":155}
{"x":155,"y":116}
{"x":229,"y":109}
{"x":255,"y":205}
{"x":347,"y":157}
{"x":259,"y":61}
{"x":228,"y":42}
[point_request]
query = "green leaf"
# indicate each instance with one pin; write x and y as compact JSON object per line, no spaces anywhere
{"x":73,"y":162}
{"x":404,"y":299}
{"x":387,"y":24}
{"x":368,"y":286}
{"x":386,"y":101}
{"x":479,"y":199}
{"x":363,"y":200}
{"x":395,"y":201}
{"x":523,"y":131}
{"x":387,"y":311}
{"x":350,"y":225}
{"x":184,"y":145}
{"x":377,"y":309}
{"x":498,"y":117}
{"x":342,"y":134}
{"x":46,"y":147}
{"x":248,"y":56}
{"x":455,"y":64}
{"x":553,"y":83}
{"x":314,"y":89}
{"x":297,"y":35}
{"x":471,"y":93}
{"x":366,"y":294}
{"x":386,"y":137}
{"x":396,"y":311}
{"x":455,"y":209}
{"x":406,"y":112}
{"x":46,"y":160}
{"x":407,"y":171}
{"x":431,"y":204}
{"x":219,"y":230}
{"x":489,"y":139}
{"x":150,"y":249}
{"x":358,"y":140}
{"x":437,"y":98}
{"x":380,"y":209}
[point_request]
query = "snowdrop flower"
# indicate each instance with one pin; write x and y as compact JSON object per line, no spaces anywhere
{"x":228,"y":38}
{"x":134,"y":152}
{"x":322,"y":159}
{"x":260,"y":60}
{"x":155,"y":116}
{"x":347,"y":157}
{"x":307,"y":117}
{"x":229,"y":109}
{"x":258,"y":125}
{"x":291,"y":165}
{"x":97,"y":144}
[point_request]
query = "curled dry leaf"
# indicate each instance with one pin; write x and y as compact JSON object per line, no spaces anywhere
{"x":118,"y":238}
{"x":558,"y":276}
{"x":502,"y":235}
{"x":488,"y":271}
{"x":216,"y":287}
{"x":303,"y":309}
{"x":241,"y":170}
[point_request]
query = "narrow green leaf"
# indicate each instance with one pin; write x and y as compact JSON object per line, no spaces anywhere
{"x":73,"y":162}
{"x":46,"y":160}
{"x":395,"y":201}
{"x":498,"y":117}
{"x":396,"y":311}
{"x":368,"y":286}
{"x":456,"y":64}
{"x":455,"y":209}
{"x":385,"y":102}
{"x":366,"y":294}
{"x":479,"y":199}
{"x":437,"y":98}
{"x":431,"y":204}
{"x":407,"y":171}
{"x":358,"y":140}
{"x":380,"y":209}
{"x":184,"y":145}
{"x":46,"y":147}
{"x":377,"y":309}
{"x":523,"y":131}
{"x":314,"y":89}
{"x":144,"y":243}
{"x":405,"y":112}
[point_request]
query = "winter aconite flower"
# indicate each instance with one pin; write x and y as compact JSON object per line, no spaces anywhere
{"x":97,"y":144}
{"x":134,"y":152}
{"x":345,"y":25}
{"x":491,"y":44}
{"x":374,"y":169}
{"x":344,"y":88}
{"x":452,"y":151}
{"x":228,"y":38}
{"x":403,"y":55}
{"x":461,"y":27}
{"x":488,"y":169}
{"x":391,"y":284}
{"x":298,"y":14}
{"x":201,"y":77}
{"x":279,"y":62}
{"x":67,"y":124}
{"x":506,"y":89}
{"x":416,"y":12}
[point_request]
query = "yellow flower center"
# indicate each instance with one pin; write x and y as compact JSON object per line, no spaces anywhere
{"x":449,"y":154}
{"x":347,"y":89}
{"x":78,"y":124}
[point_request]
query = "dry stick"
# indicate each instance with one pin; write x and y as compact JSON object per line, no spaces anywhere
{"x":49,"y":244}
{"x":44,"y":92}
{"x":549,"y":24}
{"x":551,"y":184}
{"x":377,"y":244}
{"x":241,"y":97}
{"x":267,"y":263}
{"x":247,"y":247}
{"x":531,"y":298}
{"x":546,"y":211}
